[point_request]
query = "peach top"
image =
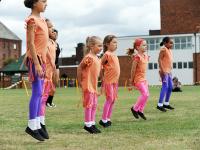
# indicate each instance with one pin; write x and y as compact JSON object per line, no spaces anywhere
{"x":52,"y":51}
{"x":90,"y":74}
{"x":41,"y":36}
{"x":111,"y":68}
{"x":167,"y":60}
{"x":140,"y":72}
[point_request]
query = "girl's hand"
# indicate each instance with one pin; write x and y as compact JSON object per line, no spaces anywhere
{"x":161,"y":73}
{"x":130,"y":84}
{"x":39,"y":71}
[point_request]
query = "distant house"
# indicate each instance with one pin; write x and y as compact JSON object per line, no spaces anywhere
{"x":10,"y":45}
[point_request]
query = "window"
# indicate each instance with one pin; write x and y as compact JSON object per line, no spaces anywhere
{"x":174,"y":65}
{"x":185,"y":65}
{"x":177,"y":43}
{"x":155,"y":66}
{"x":180,"y":65}
{"x":14,"y":46}
{"x":190,"y":64}
{"x":150,"y":66}
{"x":184,"y":42}
{"x":153,"y":44}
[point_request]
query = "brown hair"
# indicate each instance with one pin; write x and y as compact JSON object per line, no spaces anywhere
{"x":90,"y":41}
{"x":106,"y":41}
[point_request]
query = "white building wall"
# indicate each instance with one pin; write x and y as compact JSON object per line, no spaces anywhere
{"x":185,"y":75}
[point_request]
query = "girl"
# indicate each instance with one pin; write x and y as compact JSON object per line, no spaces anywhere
{"x":138,"y":73}
{"x":110,"y":77}
{"x":87,"y":74}
{"x":165,"y":65}
{"x":55,"y":75}
{"x":50,"y":69}
{"x":37,"y":39}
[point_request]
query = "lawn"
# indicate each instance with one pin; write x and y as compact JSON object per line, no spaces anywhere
{"x":174,"y":130}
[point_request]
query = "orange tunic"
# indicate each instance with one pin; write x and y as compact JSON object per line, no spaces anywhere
{"x":90,"y":74}
{"x":41,"y":36}
{"x":52,"y":51}
{"x":167,"y":60}
{"x":140,"y":72}
{"x":111,"y":68}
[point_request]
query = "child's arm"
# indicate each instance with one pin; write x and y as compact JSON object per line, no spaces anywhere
{"x":51,"y":61}
{"x":31,"y":46}
{"x":79,"y":72}
{"x":133,"y":68}
{"x":161,"y":55}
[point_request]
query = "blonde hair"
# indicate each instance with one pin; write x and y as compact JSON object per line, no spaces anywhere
{"x":90,"y":41}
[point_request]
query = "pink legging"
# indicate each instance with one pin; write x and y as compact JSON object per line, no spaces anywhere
{"x":48,"y":86}
{"x":142,"y":99}
{"x":107,"y":109}
{"x":90,"y":108}
{"x":111,"y":95}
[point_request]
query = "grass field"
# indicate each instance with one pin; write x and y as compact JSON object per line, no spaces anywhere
{"x":173,"y":130}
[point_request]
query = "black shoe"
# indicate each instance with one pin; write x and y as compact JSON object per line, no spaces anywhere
{"x":34,"y":133}
{"x":105,"y":125}
{"x":168,"y":107}
{"x":109,"y":123}
{"x":96,"y":129}
{"x":43,"y":132}
{"x":142,"y":115}
{"x":161,"y":108}
{"x":135,"y":114}
{"x":89,"y":129}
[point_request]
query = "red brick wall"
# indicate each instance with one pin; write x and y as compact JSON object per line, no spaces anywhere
{"x":125,"y":68}
{"x":7,"y":50}
{"x":196,"y":66}
{"x":70,"y":72}
{"x":179,"y":16}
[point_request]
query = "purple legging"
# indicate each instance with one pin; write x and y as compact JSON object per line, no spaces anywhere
{"x":37,"y":89}
{"x":166,"y":88}
{"x":35,"y":101}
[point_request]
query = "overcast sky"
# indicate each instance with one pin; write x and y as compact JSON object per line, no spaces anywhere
{"x":77,"y":19}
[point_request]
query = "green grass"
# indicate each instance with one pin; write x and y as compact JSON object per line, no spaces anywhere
{"x":173,"y":130}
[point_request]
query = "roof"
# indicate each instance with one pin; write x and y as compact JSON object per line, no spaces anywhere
{"x":14,"y":67}
{"x":6,"y":33}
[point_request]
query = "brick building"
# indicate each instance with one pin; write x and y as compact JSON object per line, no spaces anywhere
{"x":179,"y":16}
{"x":10,"y":45}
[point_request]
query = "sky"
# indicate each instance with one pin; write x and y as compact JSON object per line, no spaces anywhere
{"x":75,"y":20}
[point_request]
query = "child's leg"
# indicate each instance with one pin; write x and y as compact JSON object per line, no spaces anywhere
{"x":34,"y":103}
{"x":110,"y":111}
{"x":163,"y":90}
{"x":142,"y":87}
{"x":115,"y":91}
{"x":145,"y":94}
{"x":87,"y":103}
{"x":106,"y":108}
{"x":94,"y":108}
{"x":108,"y":101}
{"x":169,"y":90}
{"x":47,"y":88}
{"x":88,"y":112}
